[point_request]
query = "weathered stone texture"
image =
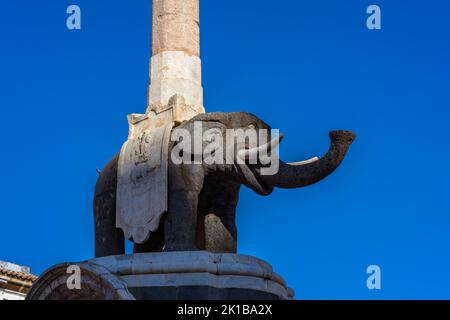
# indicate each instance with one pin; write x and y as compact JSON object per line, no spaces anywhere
{"x":175,"y":73}
{"x":174,"y":275}
{"x":176,"y":26}
{"x":175,"y":66}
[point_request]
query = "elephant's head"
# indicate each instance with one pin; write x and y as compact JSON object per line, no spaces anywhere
{"x":254,"y":173}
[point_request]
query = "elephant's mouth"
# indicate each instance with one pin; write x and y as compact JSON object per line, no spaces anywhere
{"x":252,"y":171}
{"x":254,"y":181}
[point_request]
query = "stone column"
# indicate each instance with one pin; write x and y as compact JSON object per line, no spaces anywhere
{"x":175,"y":66}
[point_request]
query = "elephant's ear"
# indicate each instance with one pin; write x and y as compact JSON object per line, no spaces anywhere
{"x":207,"y":125}
{"x":221,"y":130}
{"x":216,"y":127}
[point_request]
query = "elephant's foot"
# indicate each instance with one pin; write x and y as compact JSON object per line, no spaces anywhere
{"x":219,"y":238}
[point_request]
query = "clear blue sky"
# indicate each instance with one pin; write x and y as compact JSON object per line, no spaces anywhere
{"x":302,"y":66}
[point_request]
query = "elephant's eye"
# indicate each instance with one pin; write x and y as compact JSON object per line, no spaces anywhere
{"x":252,"y":126}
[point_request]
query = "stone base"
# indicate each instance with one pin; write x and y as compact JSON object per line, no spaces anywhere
{"x":198,"y":275}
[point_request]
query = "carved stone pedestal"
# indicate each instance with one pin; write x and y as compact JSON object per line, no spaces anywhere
{"x":198,"y":275}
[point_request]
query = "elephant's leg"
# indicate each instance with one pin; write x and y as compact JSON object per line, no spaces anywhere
{"x":181,"y":221}
{"x":108,"y":239}
{"x":185,"y":182}
{"x":200,"y":231}
{"x":220,"y":222}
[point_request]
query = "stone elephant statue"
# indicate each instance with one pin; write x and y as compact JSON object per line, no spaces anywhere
{"x":202,"y":198}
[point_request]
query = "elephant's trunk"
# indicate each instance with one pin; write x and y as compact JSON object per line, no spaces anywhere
{"x":301,"y":174}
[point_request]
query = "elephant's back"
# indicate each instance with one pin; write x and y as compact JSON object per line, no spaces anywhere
{"x":107,"y":179}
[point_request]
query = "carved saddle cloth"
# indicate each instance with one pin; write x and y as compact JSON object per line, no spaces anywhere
{"x":142,"y":180}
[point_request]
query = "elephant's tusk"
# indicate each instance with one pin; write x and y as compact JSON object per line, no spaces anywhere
{"x":253,"y":152}
{"x":301,"y":163}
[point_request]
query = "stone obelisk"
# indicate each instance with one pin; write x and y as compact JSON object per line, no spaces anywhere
{"x":175,"y":66}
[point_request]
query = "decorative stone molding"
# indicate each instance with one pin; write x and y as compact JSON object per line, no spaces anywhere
{"x":168,"y":275}
{"x":97,"y":283}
